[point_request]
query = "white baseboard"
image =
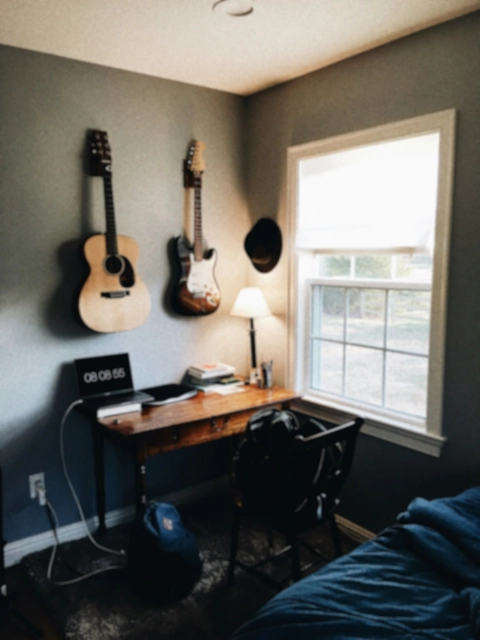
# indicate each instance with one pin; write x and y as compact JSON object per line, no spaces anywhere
{"x":15,"y":551}
{"x":354,"y":531}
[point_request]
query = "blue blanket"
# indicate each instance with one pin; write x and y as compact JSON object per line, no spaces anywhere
{"x":417,"y":579}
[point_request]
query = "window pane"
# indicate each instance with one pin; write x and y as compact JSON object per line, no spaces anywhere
{"x":406,"y":384}
{"x":366,"y":317}
{"x":401,"y":266}
{"x":332,"y":313}
{"x":417,"y":268}
{"x":334,"y":266}
{"x":409,"y":321}
{"x":363,"y":375}
{"x":373,"y":266}
{"x":327,"y":367}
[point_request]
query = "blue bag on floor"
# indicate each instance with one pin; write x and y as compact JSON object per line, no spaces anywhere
{"x":164,"y":562}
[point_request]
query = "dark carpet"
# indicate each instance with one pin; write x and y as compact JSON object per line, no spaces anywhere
{"x":104,"y":608}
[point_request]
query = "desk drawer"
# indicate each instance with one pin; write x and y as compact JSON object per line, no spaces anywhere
{"x":170,"y":438}
{"x":215,"y":427}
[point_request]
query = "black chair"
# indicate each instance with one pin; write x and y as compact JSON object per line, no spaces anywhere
{"x":282,"y":495}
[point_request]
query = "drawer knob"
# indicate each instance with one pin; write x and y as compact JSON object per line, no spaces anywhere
{"x":214,"y":426}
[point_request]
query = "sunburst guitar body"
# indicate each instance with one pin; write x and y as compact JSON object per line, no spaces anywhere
{"x":197,"y":292}
{"x":113,"y":298}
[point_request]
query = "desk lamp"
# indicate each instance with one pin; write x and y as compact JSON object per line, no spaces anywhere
{"x":251,"y":304}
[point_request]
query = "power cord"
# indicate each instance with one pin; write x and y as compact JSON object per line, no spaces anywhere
{"x":69,"y":482}
{"x":54,"y":519}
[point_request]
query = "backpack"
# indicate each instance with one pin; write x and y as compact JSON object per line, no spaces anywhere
{"x":268,"y":479}
{"x":163,"y":563}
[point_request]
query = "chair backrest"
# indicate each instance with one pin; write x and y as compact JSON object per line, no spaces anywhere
{"x":291,"y":474}
{"x":334,"y":448}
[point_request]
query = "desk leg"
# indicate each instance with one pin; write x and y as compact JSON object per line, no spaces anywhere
{"x":99,"y":465}
{"x":140,"y":478}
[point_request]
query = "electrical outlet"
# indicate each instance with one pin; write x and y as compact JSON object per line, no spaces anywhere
{"x":35,"y":480}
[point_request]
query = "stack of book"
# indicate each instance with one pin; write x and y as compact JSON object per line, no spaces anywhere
{"x":206,"y":377}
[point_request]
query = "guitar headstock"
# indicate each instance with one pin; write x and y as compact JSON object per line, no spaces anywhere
{"x":100,"y":153}
{"x":195,"y":163}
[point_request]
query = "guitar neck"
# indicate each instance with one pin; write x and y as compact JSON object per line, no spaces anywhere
{"x":197,"y":241}
{"x":111,"y":235}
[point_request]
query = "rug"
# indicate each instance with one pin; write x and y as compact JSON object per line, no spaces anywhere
{"x":104,"y":608}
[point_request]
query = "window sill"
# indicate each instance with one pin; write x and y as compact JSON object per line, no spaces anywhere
{"x":405,"y":436}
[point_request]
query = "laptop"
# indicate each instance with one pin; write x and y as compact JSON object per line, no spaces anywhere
{"x":106,"y":382}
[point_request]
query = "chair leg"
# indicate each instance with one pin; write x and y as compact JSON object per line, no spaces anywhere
{"x":296,"y":571}
{"x":270,"y":537}
{"x":337,"y":540}
{"x":234,"y":543}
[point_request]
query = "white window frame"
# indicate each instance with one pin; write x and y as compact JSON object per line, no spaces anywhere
{"x":426,"y":437}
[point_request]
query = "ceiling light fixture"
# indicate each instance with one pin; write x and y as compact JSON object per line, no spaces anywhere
{"x":234,"y":8}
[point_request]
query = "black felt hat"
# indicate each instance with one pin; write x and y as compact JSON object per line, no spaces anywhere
{"x":263,"y":245}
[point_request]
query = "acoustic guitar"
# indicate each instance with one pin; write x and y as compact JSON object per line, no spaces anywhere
{"x":113,"y":298}
{"x":197,"y":292}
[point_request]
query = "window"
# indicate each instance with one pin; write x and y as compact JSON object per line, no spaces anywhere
{"x":370,"y":220}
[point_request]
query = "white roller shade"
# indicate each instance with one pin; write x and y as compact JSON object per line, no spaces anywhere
{"x":376,"y":198}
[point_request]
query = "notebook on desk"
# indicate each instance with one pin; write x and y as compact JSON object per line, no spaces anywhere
{"x":105,"y":384}
{"x":168,"y":393}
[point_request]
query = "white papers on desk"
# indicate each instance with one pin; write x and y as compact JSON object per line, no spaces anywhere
{"x":225,"y":389}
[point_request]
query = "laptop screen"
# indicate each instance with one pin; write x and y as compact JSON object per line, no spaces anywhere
{"x":103,"y":375}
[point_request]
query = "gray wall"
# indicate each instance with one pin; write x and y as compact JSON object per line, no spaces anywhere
{"x":427,"y":72}
{"x":48,"y":206}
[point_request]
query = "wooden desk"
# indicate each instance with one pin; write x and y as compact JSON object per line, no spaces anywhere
{"x":200,"y":419}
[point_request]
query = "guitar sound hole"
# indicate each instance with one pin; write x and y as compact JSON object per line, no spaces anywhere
{"x":114,"y":265}
{"x":127,"y":278}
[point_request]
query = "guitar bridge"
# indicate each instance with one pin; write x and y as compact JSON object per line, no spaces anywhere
{"x":114,"y":294}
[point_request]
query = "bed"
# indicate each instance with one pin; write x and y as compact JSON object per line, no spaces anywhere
{"x":418,"y":579}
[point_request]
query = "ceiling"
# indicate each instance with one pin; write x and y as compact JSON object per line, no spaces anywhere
{"x":186,"y":40}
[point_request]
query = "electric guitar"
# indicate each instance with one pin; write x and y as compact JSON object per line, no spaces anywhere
{"x":197,"y":291}
{"x":113,"y":298}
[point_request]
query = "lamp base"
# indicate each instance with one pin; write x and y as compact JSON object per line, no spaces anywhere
{"x":255,"y":377}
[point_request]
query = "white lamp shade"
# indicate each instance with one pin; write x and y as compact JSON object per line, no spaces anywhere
{"x":250,"y":303}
